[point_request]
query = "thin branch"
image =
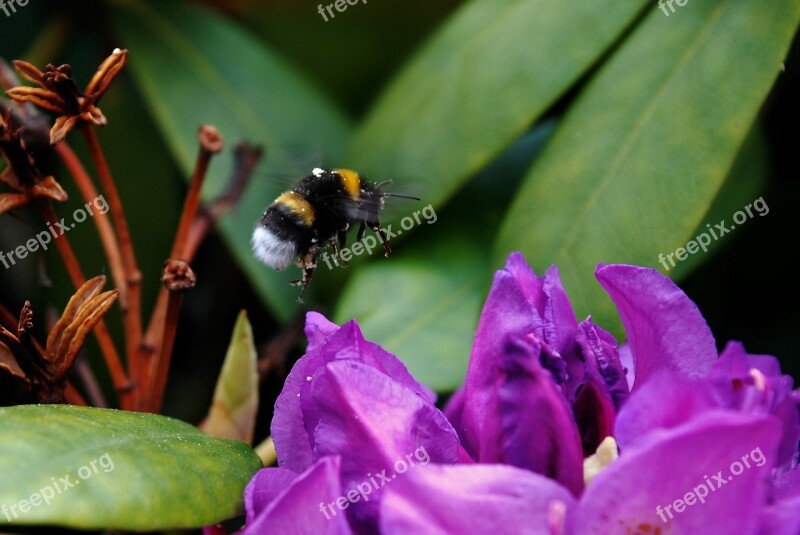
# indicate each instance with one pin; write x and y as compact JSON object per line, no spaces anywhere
{"x":107,"y":348}
{"x":73,"y":397}
{"x":101,"y":220}
{"x":90,"y":383}
{"x":177,"y":278}
{"x":154,"y":337}
{"x":210,"y":144}
{"x":132,"y":315}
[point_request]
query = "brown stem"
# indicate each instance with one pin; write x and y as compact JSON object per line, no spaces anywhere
{"x":177,"y":278}
{"x":73,"y":397}
{"x":84,"y":371}
{"x":107,"y":348}
{"x":64,"y":248}
{"x":246,"y":158}
{"x":210,"y":144}
{"x":101,"y":220}
{"x":132,"y":315}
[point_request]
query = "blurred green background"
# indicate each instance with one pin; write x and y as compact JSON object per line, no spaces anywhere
{"x":600,"y":132}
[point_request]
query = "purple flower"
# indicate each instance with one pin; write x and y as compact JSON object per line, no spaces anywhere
{"x":541,"y":389}
{"x":708,"y":443}
{"x":350,"y":400}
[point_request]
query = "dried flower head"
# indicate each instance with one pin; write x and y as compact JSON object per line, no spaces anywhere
{"x":58,"y":92}
{"x":46,"y":368}
{"x":26,"y":181}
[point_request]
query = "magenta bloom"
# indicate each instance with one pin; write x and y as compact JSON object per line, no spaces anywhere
{"x":708,"y":443}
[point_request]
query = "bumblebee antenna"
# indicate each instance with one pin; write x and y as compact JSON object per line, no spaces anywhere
{"x":379,"y":185}
{"x":401,"y":196}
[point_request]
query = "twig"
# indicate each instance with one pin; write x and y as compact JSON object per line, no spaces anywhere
{"x":102,"y":221}
{"x":107,"y":348}
{"x":132,"y":315}
{"x":72,"y":396}
{"x":210,"y":144}
{"x":177,"y":278}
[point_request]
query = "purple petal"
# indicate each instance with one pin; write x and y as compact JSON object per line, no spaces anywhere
{"x":538,"y":429}
{"x":658,"y":487}
{"x":787,"y":486}
{"x":594,"y":416}
{"x":318,"y":330}
{"x":376,"y":424}
{"x":664,"y":402}
{"x":626,"y":358}
{"x":559,"y":318}
{"x":664,"y":327}
{"x":302,"y":508}
{"x":519,"y":304}
{"x":477,"y":499}
{"x":754,"y":383}
{"x":603,"y":365}
{"x":265,"y":486}
{"x":454,"y":409}
{"x":782,"y":518}
{"x":510,"y":310}
{"x":296,"y":415}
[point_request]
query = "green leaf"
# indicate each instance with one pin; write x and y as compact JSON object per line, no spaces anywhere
{"x":640,"y":157}
{"x":195,"y":68}
{"x":116,"y":470}
{"x":478,"y":85}
{"x":235,"y":405}
{"x":743,"y":185}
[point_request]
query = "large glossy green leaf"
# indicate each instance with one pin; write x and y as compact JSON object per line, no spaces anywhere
{"x":479,"y":84}
{"x":641,"y":155}
{"x":100,"y":468}
{"x":195,"y":68}
{"x":743,"y":185}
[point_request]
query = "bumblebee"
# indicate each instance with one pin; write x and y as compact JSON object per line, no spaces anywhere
{"x":318,"y":211}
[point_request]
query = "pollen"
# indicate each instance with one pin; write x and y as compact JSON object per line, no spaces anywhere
{"x":296,"y":204}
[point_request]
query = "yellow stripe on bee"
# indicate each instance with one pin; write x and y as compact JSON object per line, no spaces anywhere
{"x":351,"y":182}
{"x":298,"y":206}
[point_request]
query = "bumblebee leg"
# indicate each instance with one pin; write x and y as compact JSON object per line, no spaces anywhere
{"x":308,"y":264}
{"x":387,"y":250}
{"x":361,"y":229}
{"x":308,"y":272}
{"x":341,"y":237}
